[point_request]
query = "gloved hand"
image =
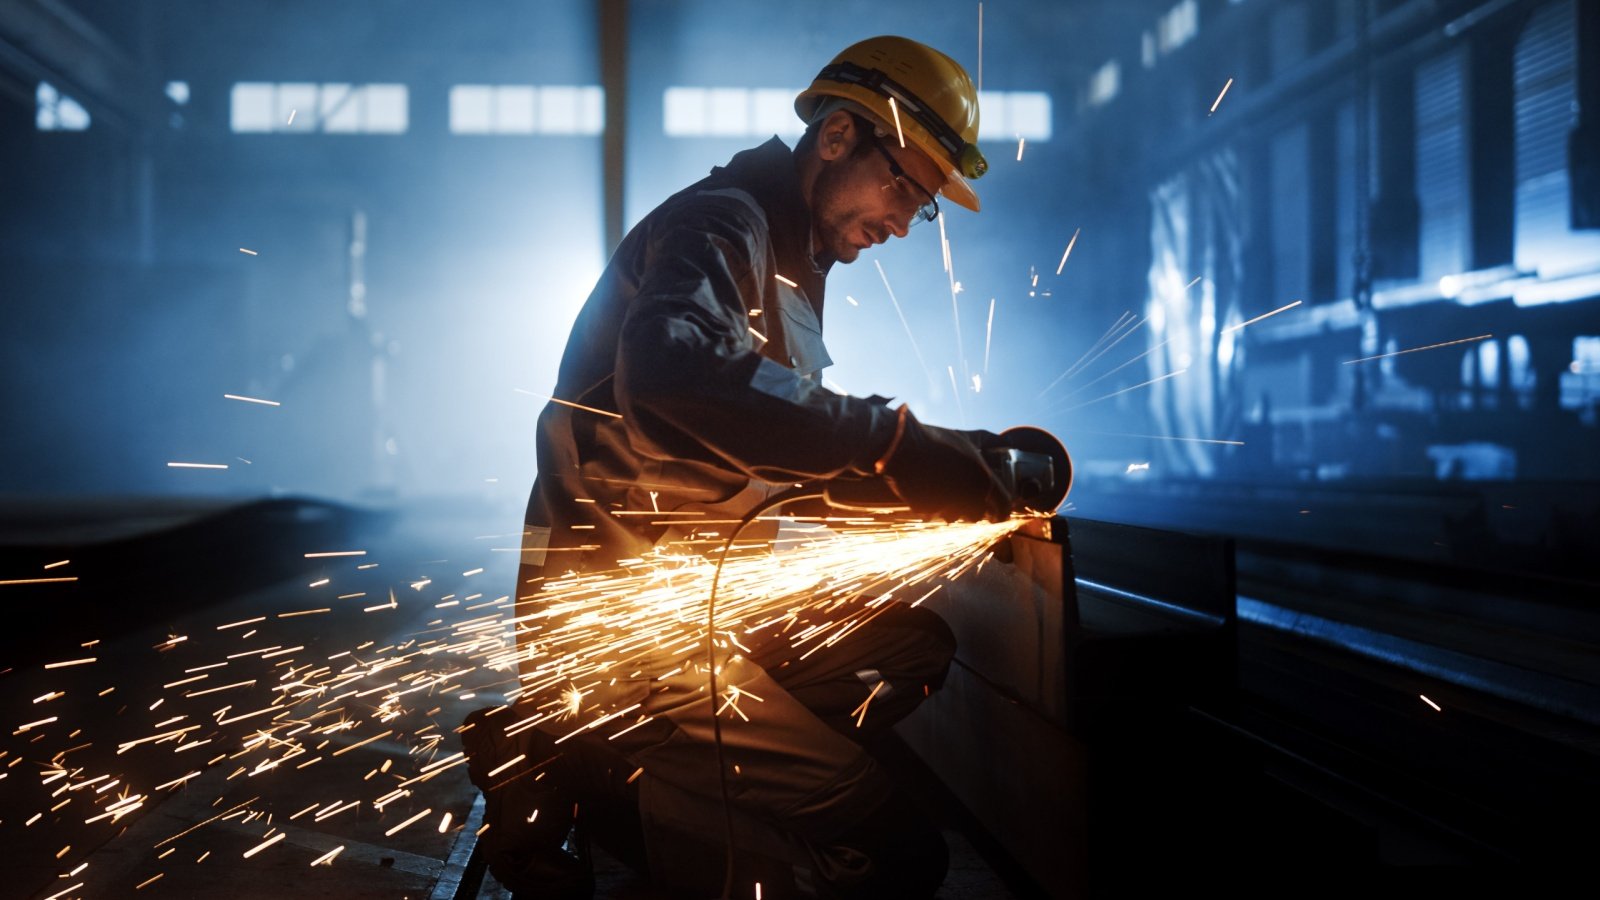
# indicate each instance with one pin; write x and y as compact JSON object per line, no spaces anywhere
{"x":941,"y":473}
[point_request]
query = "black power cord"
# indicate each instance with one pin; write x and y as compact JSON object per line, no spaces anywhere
{"x":788,"y":496}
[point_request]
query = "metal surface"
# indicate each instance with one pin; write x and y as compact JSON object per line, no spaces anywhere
{"x":1539,"y":690}
{"x":454,"y":876}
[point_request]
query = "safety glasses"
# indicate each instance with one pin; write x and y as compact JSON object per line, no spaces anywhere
{"x":927,"y":203}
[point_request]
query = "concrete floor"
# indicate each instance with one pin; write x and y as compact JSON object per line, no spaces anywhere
{"x":193,"y":838}
{"x":970,"y":878}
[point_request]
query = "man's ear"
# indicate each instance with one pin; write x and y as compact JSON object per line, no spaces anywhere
{"x":839,"y":135}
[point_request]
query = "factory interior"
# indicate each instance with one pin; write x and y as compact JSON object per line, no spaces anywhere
{"x":1309,"y":290}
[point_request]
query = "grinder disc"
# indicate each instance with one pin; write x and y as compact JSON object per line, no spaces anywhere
{"x":1030,"y":439}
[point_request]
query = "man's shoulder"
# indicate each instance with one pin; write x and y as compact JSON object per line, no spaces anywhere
{"x":727,"y":219}
{"x":713,"y":204}
{"x":741,"y":191}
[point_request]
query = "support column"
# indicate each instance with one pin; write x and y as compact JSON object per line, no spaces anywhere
{"x":1396,"y":214}
{"x":614,"y":142}
{"x":1491,"y":125}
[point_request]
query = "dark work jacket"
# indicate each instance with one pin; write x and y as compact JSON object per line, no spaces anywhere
{"x":713,"y":417}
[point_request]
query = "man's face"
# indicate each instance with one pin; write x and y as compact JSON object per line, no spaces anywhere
{"x":856,"y":202}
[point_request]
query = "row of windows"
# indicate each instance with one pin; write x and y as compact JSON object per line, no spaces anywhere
{"x":337,"y":108}
{"x":758,"y":112}
{"x":729,"y":112}
{"x":526,"y":109}
{"x":382,"y":108}
{"x":332,"y":108}
{"x":1009,"y":115}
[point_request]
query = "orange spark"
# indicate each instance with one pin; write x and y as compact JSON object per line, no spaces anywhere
{"x":1224,"y":93}
{"x":1063,"y":263}
{"x":1419,"y":349}
{"x":251,"y":400}
{"x":571,"y":404}
{"x":327,"y":858}
{"x":1127,"y":389}
{"x":396,"y":829}
{"x":265,"y":844}
{"x":860,"y":712}
{"x":1262,"y":316}
{"x":40,"y":580}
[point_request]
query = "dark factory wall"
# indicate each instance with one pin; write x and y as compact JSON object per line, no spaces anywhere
{"x":1372,"y":179}
{"x":1477,"y":234}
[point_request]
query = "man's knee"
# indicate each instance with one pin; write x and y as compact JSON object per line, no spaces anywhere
{"x":929,"y":643}
{"x":930,"y":623}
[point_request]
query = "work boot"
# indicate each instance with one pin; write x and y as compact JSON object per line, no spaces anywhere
{"x":533,"y":842}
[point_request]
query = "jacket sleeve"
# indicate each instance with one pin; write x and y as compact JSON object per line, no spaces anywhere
{"x":690,"y":381}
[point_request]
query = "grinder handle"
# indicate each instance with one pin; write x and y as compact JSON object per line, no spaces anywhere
{"x":868,"y":495}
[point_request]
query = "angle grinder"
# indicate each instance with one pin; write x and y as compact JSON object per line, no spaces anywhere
{"x":1031,"y":462}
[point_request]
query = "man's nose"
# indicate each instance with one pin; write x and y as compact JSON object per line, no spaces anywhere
{"x":899,"y":225}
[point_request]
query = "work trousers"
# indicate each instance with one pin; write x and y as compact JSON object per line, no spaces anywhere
{"x":814,"y":814}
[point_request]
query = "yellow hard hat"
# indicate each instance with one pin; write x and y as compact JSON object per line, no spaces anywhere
{"x":935,"y":100}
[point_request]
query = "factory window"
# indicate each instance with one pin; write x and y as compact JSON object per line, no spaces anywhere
{"x":1007,"y":115}
{"x":1105,"y":83}
{"x":1580,"y":384}
{"x":1442,"y":186}
{"x":526,"y":109}
{"x":762,"y":112}
{"x":55,"y":111}
{"x":1178,"y":26}
{"x":729,"y":112}
{"x":259,"y":107}
{"x":1174,"y":28}
{"x":1519,"y":370}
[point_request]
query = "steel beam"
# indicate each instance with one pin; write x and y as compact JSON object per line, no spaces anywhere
{"x":45,"y":40}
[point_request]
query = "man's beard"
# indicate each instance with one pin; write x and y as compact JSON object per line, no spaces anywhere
{"x":830,"y":214}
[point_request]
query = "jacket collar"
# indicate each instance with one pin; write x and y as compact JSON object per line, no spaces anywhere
{"x":767,"y":173}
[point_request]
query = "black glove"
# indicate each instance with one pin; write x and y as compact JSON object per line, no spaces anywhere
{"x":940,"y":473}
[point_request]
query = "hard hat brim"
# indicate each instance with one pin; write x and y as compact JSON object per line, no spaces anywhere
{"x":956,"y":187}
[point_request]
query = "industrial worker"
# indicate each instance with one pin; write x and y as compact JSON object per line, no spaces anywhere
{"x":694,"y":370}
